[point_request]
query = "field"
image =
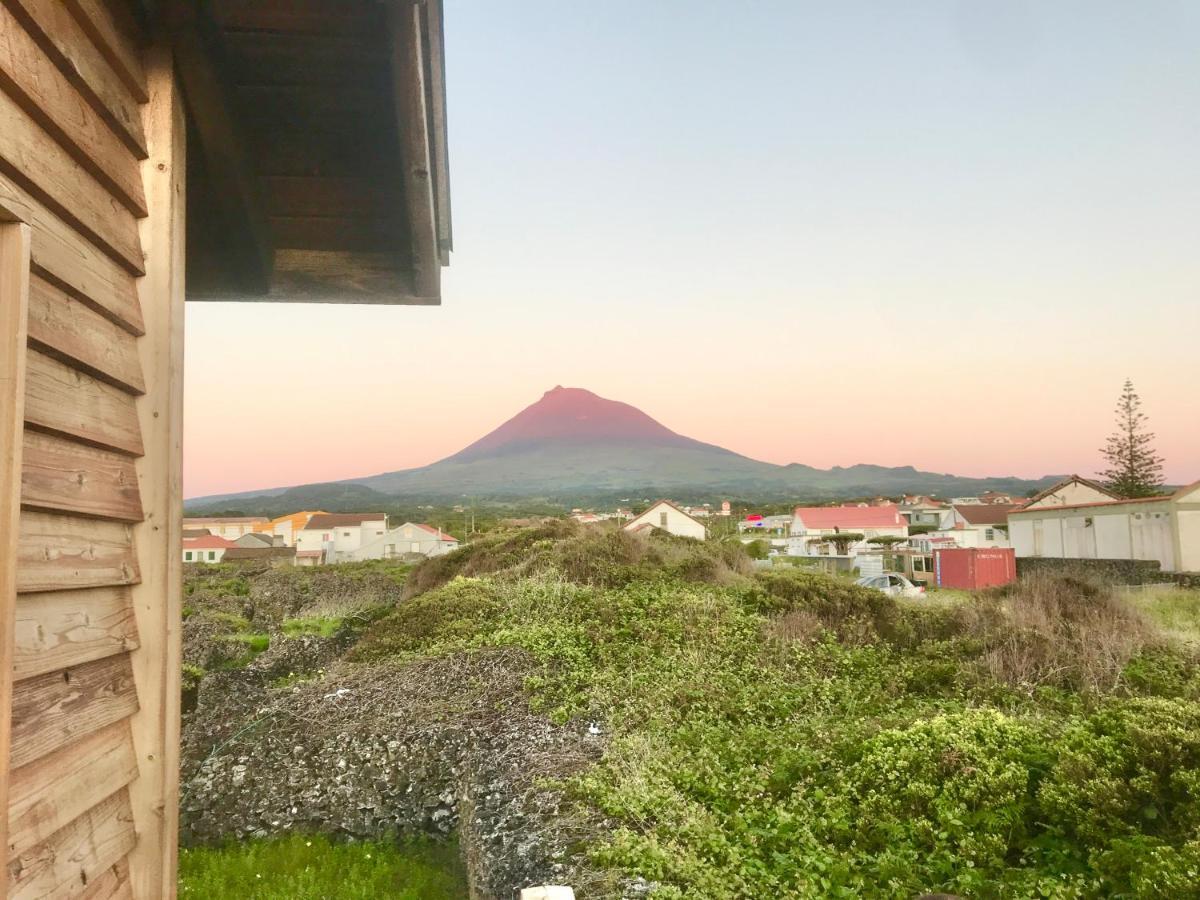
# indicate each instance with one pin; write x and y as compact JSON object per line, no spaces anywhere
{"x":779,"y":733}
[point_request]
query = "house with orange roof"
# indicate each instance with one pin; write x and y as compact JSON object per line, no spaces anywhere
{"x":289,"y":526}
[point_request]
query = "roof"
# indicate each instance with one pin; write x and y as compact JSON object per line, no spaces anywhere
{"x":341,"y":520}
{"x":820,"y":517}
{"x":986,"y":513}
{"x":1161,"y":498}
{"x":437,"y":533}
{"x":195,"y":532}
{"x":1069,"y":480}
{"x":649,"y":509}
{"x":236,"y":553}
{"x":317,"y":161}
{"x":207,"y":542}
{"x":222,"y":520}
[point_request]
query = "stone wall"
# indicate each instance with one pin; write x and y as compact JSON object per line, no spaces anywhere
{"x":435,"y":746}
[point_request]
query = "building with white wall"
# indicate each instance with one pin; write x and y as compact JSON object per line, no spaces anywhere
{"x":339,"y":535}
{"x":1165,"y":529}
{"x":814,"y":526}
{"x":666,"y":516}
{"x":208,"y":548}
{"x":1070,"y":491}
{"x":980,"y":525}
{"x":409,"y":539}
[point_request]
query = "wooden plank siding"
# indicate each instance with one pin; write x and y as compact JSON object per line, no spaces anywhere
{"x":64,"y":257}
{"x":30,"y":156}
{"x":62,"y":327}
{"x":73,"y":99}
{"x":52,"y":792}
{"x":60,"y":708}
{"x":66,"y":43}
{"x":65,"y":401}
{"x":59,"y":629}
{"x":63,"y":866}
{"x":44,"y":92}
{"x":59,"y":553}
{"x":59,"y":475}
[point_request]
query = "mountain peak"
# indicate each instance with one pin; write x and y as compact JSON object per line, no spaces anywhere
{"x":575,"y":416}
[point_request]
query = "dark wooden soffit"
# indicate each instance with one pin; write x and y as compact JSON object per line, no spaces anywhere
{"x":317,"y":160}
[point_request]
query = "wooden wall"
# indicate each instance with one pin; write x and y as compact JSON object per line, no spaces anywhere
{"x":89,"y":129}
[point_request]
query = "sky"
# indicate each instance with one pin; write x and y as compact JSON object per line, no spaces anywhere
{"x":939,"y":233}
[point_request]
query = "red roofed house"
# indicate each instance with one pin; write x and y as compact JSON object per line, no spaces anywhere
{"x":410,"y":539}
{"x":208,"y":548}
{"x":812,"y":524}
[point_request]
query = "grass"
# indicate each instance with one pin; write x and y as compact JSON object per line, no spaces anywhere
{"x":320,"y":626}
{"x":300,"y":867}
{"x":1176,"y":610}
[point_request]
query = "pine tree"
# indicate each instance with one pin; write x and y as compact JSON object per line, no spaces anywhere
{"x":1134,"y":469}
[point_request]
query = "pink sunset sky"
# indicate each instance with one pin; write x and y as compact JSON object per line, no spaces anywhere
{"x":933,"y":235}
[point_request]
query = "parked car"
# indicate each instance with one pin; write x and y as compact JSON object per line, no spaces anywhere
{"x":892,"y":584}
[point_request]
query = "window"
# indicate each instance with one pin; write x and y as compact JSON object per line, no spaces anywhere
{"x":212,"y":555}
{"x":345,"y":534}
{"x":989,"y":534}
{"x":187,"y":556}
{"x":662,"y":520}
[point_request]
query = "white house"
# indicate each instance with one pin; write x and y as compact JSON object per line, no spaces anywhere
{"x":338,"y":535}
{"x":814,"y":526}
{"x":408,"y":539}
{"x":666,"y":516}
{"x":229,"y":527}
{"x":980,"y":525}
{"x":208,"y":548}
{"x":1165,"y":529}
{"x":1069,"y":492}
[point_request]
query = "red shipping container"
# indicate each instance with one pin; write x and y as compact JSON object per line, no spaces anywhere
{"x":974,"y":567}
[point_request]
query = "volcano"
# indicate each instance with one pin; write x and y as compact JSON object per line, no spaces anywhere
{"x":573,"y":417}
{"x":573,"y":443}
{"x":572,"y":440}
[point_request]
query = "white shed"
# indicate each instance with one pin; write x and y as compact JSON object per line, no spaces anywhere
{"x":1165,"y":529}
{"x":666,"y":516}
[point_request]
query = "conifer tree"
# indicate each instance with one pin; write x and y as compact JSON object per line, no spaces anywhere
{"x":1134,"y":469}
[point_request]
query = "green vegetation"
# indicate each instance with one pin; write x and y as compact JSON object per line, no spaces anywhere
{"x":299,"y":867}
{"x":321,"y":626}
{"x":1175,"y":610}
{"x":789,"y":734}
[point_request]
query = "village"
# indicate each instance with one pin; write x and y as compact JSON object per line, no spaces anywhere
{"x":918,"y":541}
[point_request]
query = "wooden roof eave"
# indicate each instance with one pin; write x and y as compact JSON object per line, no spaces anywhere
{"x":409,"y":274}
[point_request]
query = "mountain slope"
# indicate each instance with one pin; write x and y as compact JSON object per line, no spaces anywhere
{"x":572,"y":442}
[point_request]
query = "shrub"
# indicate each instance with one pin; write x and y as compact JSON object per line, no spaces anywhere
{"x":1056,"y":630}
{"x":850,"y":611}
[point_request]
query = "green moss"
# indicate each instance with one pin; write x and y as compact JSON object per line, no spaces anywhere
{"x":298,"y":867}
{"x":320,"y":626}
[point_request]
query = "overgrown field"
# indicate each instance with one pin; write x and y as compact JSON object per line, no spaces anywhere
{"x":780,"y":733}
{"x":787,"y":735}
